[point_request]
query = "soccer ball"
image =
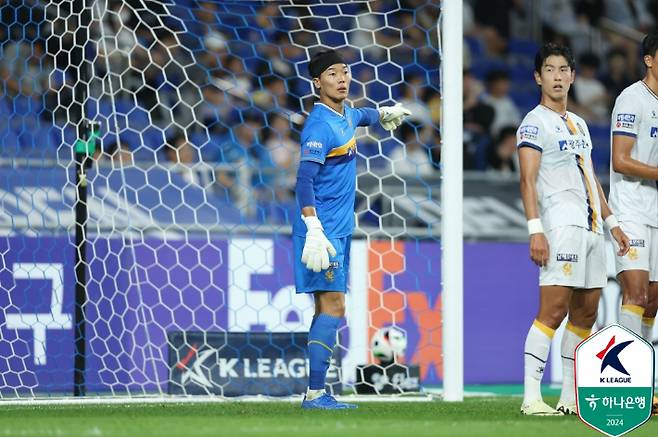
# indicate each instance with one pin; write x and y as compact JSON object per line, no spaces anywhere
{"x":387,"y":344}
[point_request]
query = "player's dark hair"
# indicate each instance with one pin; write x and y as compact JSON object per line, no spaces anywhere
{"x":650,"y":44}
{"x":553,"y":49}
{"x":320,"y":61}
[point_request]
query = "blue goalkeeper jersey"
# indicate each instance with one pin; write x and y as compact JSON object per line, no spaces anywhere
{"x":328,"y":138}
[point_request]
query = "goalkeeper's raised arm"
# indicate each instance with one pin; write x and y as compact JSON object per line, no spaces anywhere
{"x":325,"y":191}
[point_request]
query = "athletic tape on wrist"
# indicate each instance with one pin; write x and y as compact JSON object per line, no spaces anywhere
{"x":535,"y":226}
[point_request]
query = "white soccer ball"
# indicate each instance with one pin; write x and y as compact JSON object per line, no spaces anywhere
{"x":388,"y":344}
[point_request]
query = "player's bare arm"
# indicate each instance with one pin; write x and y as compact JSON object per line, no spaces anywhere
{"x":623,"y":163}
{"x":620,"y":237}
{"x":529,"y":159}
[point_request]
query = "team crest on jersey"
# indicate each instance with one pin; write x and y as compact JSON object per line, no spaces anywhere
{"x":558,"y":129}
{"x":567,"y":269}
{"x":568,"y":257}
{"x":653,"y":114}
{"x":528,"y":132}
{"x":636,"y":243}
{"x":632,"y":254}
{"x":329,"y":275}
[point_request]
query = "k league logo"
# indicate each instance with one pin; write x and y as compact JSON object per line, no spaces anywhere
{"x":614,"y":371}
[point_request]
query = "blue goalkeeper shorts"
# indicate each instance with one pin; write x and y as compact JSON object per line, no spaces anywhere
{"x":332,"y":279}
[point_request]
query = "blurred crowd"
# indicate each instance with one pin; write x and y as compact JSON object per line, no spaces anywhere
{"x":224,"y":84}
{"x":501,"y":38}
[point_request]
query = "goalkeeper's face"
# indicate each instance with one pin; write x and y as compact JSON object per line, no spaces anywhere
{"x":334,"y":82}
{"x":555,"y":78}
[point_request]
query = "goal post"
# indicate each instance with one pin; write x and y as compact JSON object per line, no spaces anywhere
{"x":452,"y":250}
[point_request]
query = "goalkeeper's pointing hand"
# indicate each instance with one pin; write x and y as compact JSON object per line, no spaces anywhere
{"x":317,"y":247}
{"x":391,"y":117}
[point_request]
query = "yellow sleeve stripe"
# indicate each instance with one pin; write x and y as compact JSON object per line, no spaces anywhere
{"x":344,"y":149}
{"x":543,"y":328}
{"x":635,"y":309}
{"x":321,"y":344}
{"x":648,"y":321}
{"x":580,"y":332}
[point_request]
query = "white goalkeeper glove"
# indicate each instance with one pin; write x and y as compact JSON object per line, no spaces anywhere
{"x":391,"y":117}
{"x":317,"y":247}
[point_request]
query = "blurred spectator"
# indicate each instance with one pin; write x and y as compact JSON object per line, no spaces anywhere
{"x":478,"y":119}
{"x":493,"y":17}
{"x":412,"y":158}
{"x":632,"y":13}
{"x":497,"y":96}
{"x":236,"y":75}
{"x":433,"y":99}
{"x":284,"y":152}
{"x":413,"y":100}
{"x":590,"y":95}
{"x":617,"y":76}
{"x":367,"y":32}
{"x":561,"y":24}
{"x":215,"y":109}
{"x":502,"y":156}
{"x":589,"y":11}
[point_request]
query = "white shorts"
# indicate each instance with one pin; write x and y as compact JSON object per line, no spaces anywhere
{"x":643,"y":254}
{"x":577,"y":259}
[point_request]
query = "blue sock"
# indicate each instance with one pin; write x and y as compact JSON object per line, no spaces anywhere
{"x":321,"y":342}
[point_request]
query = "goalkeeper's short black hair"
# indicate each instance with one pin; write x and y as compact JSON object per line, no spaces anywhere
{"x":322,"y":60}
{"x":650,"y":44}
{"x":553,"y":49}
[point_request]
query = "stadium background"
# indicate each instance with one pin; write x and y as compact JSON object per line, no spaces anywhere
{"x":197,"y":152}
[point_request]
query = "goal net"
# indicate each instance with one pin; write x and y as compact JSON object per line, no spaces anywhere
{"x":149,"y":153}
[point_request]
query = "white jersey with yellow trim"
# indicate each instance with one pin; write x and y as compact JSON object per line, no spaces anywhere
{"x":635,"y":115}
{"x":566,"y":188}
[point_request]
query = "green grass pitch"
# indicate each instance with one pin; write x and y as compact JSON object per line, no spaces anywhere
{"x":485,"y":416}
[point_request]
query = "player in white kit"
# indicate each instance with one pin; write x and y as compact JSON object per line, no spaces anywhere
{"x":634,"y":195}
{"x":565,"y":207}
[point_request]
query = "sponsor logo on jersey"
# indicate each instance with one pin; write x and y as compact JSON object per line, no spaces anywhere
{"x":637,"y":243}
{"x":628,"y":118}
{"x":569,"y":257}
{"x":573,"y":144}
{"x":528,"y":132}
{"x":314,"y":144}
{"x":625,"y":120}
{"x":654,"y":132}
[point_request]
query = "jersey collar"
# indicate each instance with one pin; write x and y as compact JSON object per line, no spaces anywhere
{"x":332,"y":110}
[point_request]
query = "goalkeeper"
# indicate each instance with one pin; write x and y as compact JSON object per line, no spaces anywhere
{"x":322,"y":232}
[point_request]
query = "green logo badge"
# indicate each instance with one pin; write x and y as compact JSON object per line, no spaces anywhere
{"x":614,"y":380}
